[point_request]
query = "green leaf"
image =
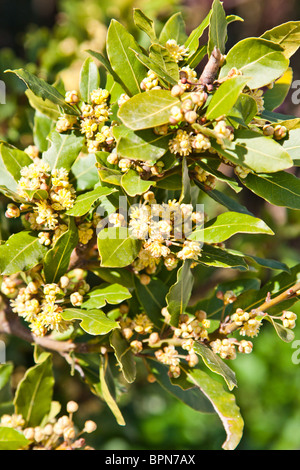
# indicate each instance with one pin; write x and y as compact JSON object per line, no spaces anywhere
{"x":57,"y":259}
{"x":85,"y":201}
{"x":180,"y":293}
{"x":221,"y":258}
{"x":143,"y":145}
{"x":161,"y":62}
{"x":192,"y":42}
{"x":21,"y":252}
{"x":34,"y":393}
{"x":212,"y":170}
{"x":63,"y":150}
{"x":5,"y":374}
{"x":120,"y":44}
{"x":105,"y":293}
{"x":181,"y":388}
{"x":280,"y":189}
{"x":228,"y":224}
{"x":14,"y":160}
{"x":257,"y":58}
{"x":43,"y":90}
{"x":89,"y":79}
{"x":94,"y":321}
{"x":117,"y":248}
{"x":11,"y":194}
{"x":216,"y":364}
{"x":44,"y":106}
{"x":152,"y":298}
{"x":259,"y":153}
{"x":144,"y":23}
{"x":43,"y":125}
{"x":223,"y":403}
{"x":225,"y":97}
{"x":285,"y":334}
{"x":124,"y":356}
{"x":133,"y":184}
{"x":115,"y":276}
{"x":174,"y":28}
{"x":185,"y":196}
{"x":276,"y":95}
{"x":292,"y":145}
{"x":11,"y":439}
{"x":244,"y":110}
{"x":84,"y":174}
{"x":217,"y":28}
{"x":287,"y":35}
{"x":107,"y":392}
{"x":147,"y":110}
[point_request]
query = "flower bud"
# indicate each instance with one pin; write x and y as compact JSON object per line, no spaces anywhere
{"x":177,"y":90}
{"x":90,"y":426}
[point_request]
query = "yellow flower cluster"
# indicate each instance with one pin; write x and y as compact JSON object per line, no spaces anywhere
{"x":177,"y":51}
{"x":56,"y":434}
{"x":41,"y":304}
{"x":160,"y":226}
{"x":150,"y":82}
{"x":58,"y":196}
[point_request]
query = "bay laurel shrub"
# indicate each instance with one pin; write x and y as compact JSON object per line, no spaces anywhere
{"x":109,"y":197}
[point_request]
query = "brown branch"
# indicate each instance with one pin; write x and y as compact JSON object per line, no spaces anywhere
{"x":10,"y":324}
{"x":211,"y":69}
{"x":226,"y":329}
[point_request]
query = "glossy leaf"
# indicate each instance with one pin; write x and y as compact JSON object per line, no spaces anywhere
{"x":161,"y":62}
{"x":134,"y":184}
{"x":34,"y":393}
{"x":280,"y":189}
{"x":292,"y":145}
{"x":180,"y":293}
{"x":221,"y":258}
{"x":117,"y":248}
{"x":225,"y":97}
{"x":120,"y":46}
{"x":244,"y":110}
{"x":223,"y":403}
{"x":107,"y":392}
{"x":287,"y":35}
{"x":93,"y":321}
{"x":216,"y":364}
{"x":259,"y":153}
{"x":44,"y":106}
{"x":21,"y":252}
{"x":173,"y":28}
{"x":257,"y":58}
{"x":124,"y":356}
{"x":89,"y":79}
{"x":14,"y":159}
{"x":63,"y":150}
{"x":192,"y":42}
{"x":152,"y":297}
{"x":276,"y":95}
{"x":11,"y":439}
{"x":85,"y":201}
{"x":181,"y":388}
{"x":147,"y":110}
{"x":143,"y":145}
{"x":84,"y":174}
{"x":144,"y":23}
{"x":43,"y":90}
{"x":217,"y":35}
{"x":228,"y":224}
{"x":105,"y":293}
{"x":57,"y":259}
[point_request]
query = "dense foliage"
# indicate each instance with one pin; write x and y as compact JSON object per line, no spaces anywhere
{"x":110,"y":197}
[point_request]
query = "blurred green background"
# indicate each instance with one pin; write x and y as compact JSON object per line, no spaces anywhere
{"x":50,"y":37}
